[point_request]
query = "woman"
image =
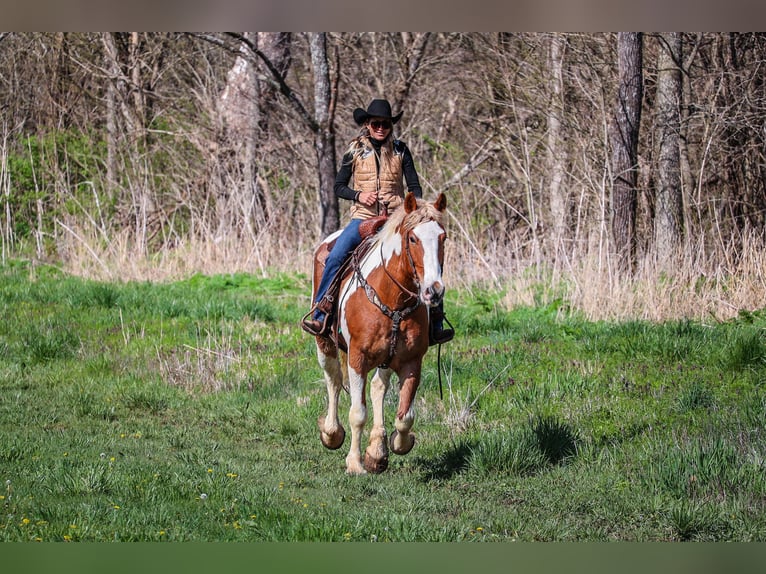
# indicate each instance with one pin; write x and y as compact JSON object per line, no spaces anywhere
{"x":376,"y":161}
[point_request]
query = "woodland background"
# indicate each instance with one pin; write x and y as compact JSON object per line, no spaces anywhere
{"x":621,"y":175}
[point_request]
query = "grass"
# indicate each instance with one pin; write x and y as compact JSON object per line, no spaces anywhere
{"x":187,"y":411}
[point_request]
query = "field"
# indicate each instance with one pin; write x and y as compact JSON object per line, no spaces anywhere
{"x":187,"y":411}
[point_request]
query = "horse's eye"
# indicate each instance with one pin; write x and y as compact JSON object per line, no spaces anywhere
{"x":413,"y":239}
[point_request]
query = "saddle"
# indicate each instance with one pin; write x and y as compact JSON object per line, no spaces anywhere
{"x":371,"y":226}
{"x":328,"y":305}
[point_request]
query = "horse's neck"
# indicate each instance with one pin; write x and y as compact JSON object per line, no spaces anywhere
{"x":397,"y":278}
{"x":383,"y":253}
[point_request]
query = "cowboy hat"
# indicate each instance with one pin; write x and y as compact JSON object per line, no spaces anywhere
{"x":376,"y":109}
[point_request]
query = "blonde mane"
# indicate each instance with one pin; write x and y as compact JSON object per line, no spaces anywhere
{"x":426,"y":211}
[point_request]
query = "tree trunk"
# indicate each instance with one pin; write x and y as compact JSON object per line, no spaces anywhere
{"x":557,"y":195}
{"x":668,"y":218}
{"x":245,"y":104}
{"x":111,"y":125}
{"x":324,"y":136}
{"x":122,"y":65}
{"x":624,"y":136}
{"x":277,"y":46}
{"x":411,"y":62}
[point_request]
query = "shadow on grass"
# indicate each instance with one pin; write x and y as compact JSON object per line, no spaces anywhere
{"x":450,"y":462}
{"x":544,"y":442}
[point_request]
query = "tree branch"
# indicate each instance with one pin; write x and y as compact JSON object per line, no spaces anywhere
{"x":277,"y":78}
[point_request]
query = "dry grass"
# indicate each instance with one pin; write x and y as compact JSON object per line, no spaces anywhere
{"x":123,"y":260}
{"x":699,"y":283}
{"x":702,"y":284}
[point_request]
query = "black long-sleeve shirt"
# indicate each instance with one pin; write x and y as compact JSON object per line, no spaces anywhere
{"x":345,"y":172}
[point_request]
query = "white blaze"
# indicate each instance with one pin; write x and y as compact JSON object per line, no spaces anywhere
{"x":429,"y":233}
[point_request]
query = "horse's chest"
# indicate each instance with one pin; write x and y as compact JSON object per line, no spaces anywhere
{"x":373,"y":328}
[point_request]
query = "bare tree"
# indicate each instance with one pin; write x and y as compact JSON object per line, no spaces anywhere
{"x":535,"y":136}
{"x":320,"y":123}
{"x":246,"y":104}
{"x":557,"y":195}
{"x":126,"y":122}
{"x":668,"y":215}
{"x":410,"y":62}
{"x":324,"y":133}
{"x":624,"y":137}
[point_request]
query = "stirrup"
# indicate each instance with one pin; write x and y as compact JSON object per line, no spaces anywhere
{"x":314,"y":326}
{"x":444,"y":335}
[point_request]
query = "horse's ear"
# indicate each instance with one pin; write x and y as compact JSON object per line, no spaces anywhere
{"x":410,"y":203}
{"x":441,"y":202}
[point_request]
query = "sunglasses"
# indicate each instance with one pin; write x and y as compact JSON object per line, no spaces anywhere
{"x":377,"y":124}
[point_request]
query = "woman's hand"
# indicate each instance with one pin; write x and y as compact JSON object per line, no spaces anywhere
{"x":367,"y":198}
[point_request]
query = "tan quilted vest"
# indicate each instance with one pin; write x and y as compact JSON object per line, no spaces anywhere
{"x":387,"y":185}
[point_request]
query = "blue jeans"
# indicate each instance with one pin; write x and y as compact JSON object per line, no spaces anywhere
{"x":346,"y":242}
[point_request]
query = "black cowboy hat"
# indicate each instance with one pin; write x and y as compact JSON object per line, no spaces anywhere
{"x":376,"y":109}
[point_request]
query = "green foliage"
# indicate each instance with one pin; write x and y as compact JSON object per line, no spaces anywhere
{"x":187,"y":411}
{"x":523,"y":451}
{"x":695,"y":396}
{"x":556,"y":440}
{"x":701,"y":468}
{"x":512,"y":453}
{"x":746,"y":349}
{"x":38,"y":164}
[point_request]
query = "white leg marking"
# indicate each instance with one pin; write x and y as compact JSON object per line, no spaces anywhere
{"x":376,"y":455}
{"x":357,"y":417}
{"x":329,"y":425}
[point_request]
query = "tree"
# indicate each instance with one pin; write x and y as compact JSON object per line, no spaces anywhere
{"x":127,"y":120}
{"x":668,"y":215}
{"x":324,"y":133}
{"x":245,"y":105}
{"x":411,"y":60}
{"x":321,"y":123}
{"x":624,"y":138}
{"x":557,"y":197}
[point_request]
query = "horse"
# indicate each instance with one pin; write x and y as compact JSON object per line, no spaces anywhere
{"x":382,"y":320}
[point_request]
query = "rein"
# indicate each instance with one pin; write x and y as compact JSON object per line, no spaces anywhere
{"x":414,"y":272}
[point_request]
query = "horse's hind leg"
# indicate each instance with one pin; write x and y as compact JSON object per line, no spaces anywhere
{"x":331,"y":432}
{"x":376,"y":455}
{"x":402,"y":439}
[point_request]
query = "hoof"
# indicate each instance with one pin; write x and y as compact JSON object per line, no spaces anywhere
{"x":331,"y":441}
{"x":402,"y":444}
{"x":355,"y":469}
{"x":375,"y":465}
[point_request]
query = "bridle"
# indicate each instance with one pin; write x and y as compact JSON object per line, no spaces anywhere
{"x":396,"y":315}
{"x":414,"y":271}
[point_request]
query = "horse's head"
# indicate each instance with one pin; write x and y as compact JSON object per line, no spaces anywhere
{"x":424,"y":236}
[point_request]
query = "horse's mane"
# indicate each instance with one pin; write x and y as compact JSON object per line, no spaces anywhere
{"x":426,"y":211}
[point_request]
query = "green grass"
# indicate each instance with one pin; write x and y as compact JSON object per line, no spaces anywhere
{"x":187,"y":411}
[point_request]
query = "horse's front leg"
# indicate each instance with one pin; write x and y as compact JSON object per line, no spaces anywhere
{"x":357,"y":417}
{"x":402,"y":439}
{"x":331,"y":432}
{"x":376,"y":455}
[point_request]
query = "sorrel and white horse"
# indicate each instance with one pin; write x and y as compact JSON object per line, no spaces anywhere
{"x":382,"y":325}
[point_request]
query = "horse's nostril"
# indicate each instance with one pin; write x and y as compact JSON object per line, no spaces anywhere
{"x":433,"y":295}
